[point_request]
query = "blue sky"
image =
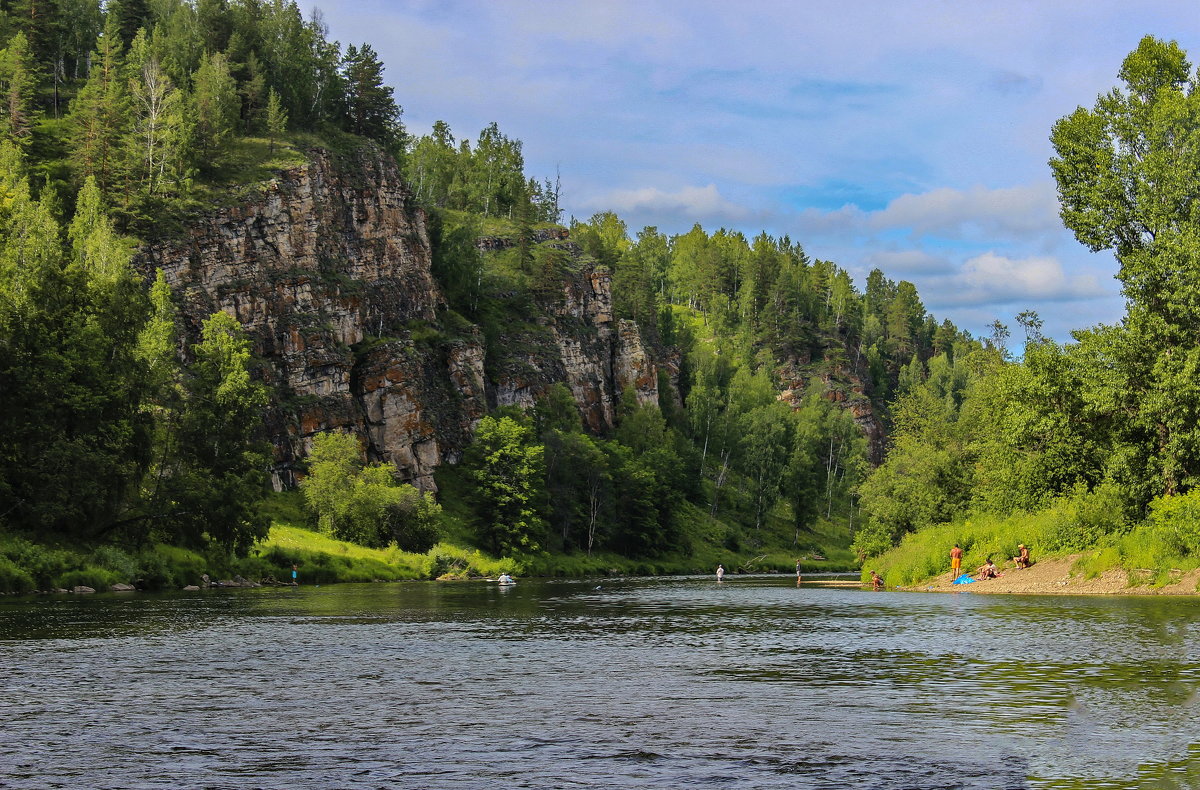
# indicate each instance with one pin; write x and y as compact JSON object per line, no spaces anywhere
{"x":903,"y":135}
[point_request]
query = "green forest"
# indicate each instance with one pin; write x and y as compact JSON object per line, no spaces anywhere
{"x":810,"y":419}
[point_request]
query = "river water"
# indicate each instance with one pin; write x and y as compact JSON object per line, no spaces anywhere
{"x":615,"y":683}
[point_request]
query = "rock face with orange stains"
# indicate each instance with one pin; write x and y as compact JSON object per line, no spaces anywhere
{"x":328,"y":270}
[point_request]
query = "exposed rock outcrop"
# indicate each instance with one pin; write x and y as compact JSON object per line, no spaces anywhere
{"x":329,"y":271}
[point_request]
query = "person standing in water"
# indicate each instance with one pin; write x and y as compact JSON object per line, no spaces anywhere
{"x":720,"y":573}
{"x":798,"y":576}
{"x":955,"y":562}
{"x":294,"y":574}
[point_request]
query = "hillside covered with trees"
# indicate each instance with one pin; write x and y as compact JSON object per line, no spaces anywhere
{"x":797,"y":415}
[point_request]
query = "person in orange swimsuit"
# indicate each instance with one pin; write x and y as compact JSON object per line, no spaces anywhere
{"x":955,"y":562}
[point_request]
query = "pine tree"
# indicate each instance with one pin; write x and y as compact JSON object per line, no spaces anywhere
{"x":129,"y":16}
{"x":18,"y":83}
{"x":99,"y":115}
{"x":370,"y":109}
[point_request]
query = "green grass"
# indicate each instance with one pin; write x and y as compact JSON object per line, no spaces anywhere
{"x":1088,"y":525}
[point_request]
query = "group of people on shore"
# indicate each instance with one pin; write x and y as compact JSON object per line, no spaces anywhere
{"x":988,"y":570}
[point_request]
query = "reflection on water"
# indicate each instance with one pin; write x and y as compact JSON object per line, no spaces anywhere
{"x":641,"y":683}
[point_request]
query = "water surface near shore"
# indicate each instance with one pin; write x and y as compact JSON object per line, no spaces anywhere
{"x":641,"y":683}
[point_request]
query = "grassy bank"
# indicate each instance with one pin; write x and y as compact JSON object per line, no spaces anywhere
{"x":27,"y":567}
{"x":1088,"y":526}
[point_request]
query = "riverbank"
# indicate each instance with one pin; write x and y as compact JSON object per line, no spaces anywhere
{"x":1059,"y":576}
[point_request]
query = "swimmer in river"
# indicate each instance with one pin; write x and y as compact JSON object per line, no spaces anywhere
{"x":798,"y":576}
{"x":720,"y":573}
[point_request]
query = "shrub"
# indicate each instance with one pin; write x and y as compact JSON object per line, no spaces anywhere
{"x":123,"y":567}
{"x":871,"y":540}
{"x":1174,"y":524}
{"x":98,"y":579}
{"x":14,"y":579}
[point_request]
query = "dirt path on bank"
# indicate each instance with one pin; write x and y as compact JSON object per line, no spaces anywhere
{"x":1053,"y":576}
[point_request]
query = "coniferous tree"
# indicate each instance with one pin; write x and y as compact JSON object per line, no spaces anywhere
{"x":18,"y":85}
{"x":99,"y":115}
{"x":370,"y":109}
{"x":215,"y":101}
{"x":129,"y":16}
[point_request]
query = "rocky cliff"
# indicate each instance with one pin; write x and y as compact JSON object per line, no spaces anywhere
{"x":328,"y":270}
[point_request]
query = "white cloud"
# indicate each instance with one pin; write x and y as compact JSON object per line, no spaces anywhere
{"x":699,"y":203}
{"x":954,"y":213}
{"x":996,"y":279}
{"x":896,"y":263}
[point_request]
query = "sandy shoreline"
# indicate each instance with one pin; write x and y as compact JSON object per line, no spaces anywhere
{"x":1053,"y":576}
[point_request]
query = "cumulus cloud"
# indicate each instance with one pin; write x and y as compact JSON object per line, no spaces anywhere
{"x":956,"y":213}
{"x":996,"y":279}
{"x":1025,"y":213}
{"x":699,"y":203}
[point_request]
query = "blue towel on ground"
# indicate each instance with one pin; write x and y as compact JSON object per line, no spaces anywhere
{"x":964,"y":579}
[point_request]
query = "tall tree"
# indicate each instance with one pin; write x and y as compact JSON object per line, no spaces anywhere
{"x":155,"y":144}
{"x":1126,"y":178}
{"x":370,"y":109}
{"x":18,"y":85}
{"x":215,"y":101}
{"x":219,"y":468}
{"x":508,"y":471}
{"x":130,"y":16}
{"x":99,"y":114}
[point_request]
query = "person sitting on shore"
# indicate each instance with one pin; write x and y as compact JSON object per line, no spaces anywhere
{"x":987,"y":571}
{"x":1022,"y":560}
{"x":876,"y":581}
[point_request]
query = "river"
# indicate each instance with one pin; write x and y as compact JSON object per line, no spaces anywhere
{"x":615,"y":683}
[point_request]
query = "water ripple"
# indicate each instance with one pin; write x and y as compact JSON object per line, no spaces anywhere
{"x":643,"y":683}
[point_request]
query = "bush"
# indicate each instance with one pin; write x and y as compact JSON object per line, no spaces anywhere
{"x":1174,"y":524}
{"x":14,"y":579}
{"x":123,"y":567}
{"x":43,"y":563}
{"x":1085,"y":518}
{"x":871,"y":540}
{"x":98,"y":579}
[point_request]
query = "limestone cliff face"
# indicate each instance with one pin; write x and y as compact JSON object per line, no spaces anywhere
{"x":577,"y":342}
{"x":846,"y":384}
{"x":328,"y":270}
